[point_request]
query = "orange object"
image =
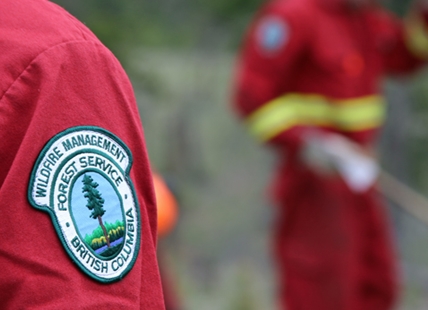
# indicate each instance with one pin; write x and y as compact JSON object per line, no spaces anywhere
{"x":166,"y":206}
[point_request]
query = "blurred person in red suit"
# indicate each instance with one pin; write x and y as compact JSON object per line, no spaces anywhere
{"x":308,"y":83}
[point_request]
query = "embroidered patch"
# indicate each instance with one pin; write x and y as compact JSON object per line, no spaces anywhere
{"x":81,"y":178}
{"x":272,"y":34}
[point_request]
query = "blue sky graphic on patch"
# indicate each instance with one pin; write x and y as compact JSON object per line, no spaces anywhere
{"x":272,"y":34}
{"x":81,"y":213}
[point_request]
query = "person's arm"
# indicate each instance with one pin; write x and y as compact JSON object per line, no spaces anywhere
{"x":405,"y":42}
{"x":268,"y":62}
{"x":77,"y":91}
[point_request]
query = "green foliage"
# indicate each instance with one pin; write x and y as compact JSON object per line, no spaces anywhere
{"x":98,"y":243}
{"x":227,"y":10}
{"x":115,"y":231}
{"x":95,"y":201}
{"x":122,"y":25}
{"x":399,"y":6}
{"x":115,"y":234}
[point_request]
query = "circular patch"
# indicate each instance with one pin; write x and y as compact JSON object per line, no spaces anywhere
{"x":272,"y":34}
{"x":81,"y":178}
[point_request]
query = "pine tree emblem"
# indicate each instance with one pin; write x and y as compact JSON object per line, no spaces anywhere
{"x":81,"y":178}
{"x":95,"y":202}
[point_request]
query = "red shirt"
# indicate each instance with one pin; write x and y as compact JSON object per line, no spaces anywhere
{"x":57,"y":80}
{"x":318,"y":48}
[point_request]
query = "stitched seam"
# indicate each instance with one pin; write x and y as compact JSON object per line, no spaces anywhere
{"x":41,"y":53}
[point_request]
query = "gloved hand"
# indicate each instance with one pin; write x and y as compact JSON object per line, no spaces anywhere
{"x":315,"y":154}
{"x":329,"y":154}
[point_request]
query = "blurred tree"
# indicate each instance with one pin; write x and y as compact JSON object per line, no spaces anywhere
{"x":116,"y":23}
{"x":399,"y":6}
{"x":227,"y":10}
{"x":122,"y":25}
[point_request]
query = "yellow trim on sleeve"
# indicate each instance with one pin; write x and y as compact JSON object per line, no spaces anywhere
{"x":292,"y":110}
{"x":417,"y":36}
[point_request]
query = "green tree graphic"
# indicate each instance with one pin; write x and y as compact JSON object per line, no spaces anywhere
{"x":95,"y":202}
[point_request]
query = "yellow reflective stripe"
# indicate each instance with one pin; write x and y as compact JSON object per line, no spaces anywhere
{"x":285,"y":112}
{"x":416,"y":36}
{"x":314,"y":110}
{"x":358,"y":114}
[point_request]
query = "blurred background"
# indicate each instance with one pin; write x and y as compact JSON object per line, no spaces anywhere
{"x":180,"y":56}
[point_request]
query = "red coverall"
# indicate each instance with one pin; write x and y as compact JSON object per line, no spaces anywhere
{"x":317,"y":64}
{"x":56,"y":75}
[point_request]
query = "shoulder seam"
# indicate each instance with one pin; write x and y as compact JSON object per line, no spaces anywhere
{"x":41,"y":53}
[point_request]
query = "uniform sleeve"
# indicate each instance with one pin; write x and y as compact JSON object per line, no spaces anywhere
{"x":76,"y":84}
{"x":403,"y":42}
{"x":71,"y":84}
{"x":270,"y":56}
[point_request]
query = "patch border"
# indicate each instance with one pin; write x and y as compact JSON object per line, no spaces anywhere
{"x":54,"y":217}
